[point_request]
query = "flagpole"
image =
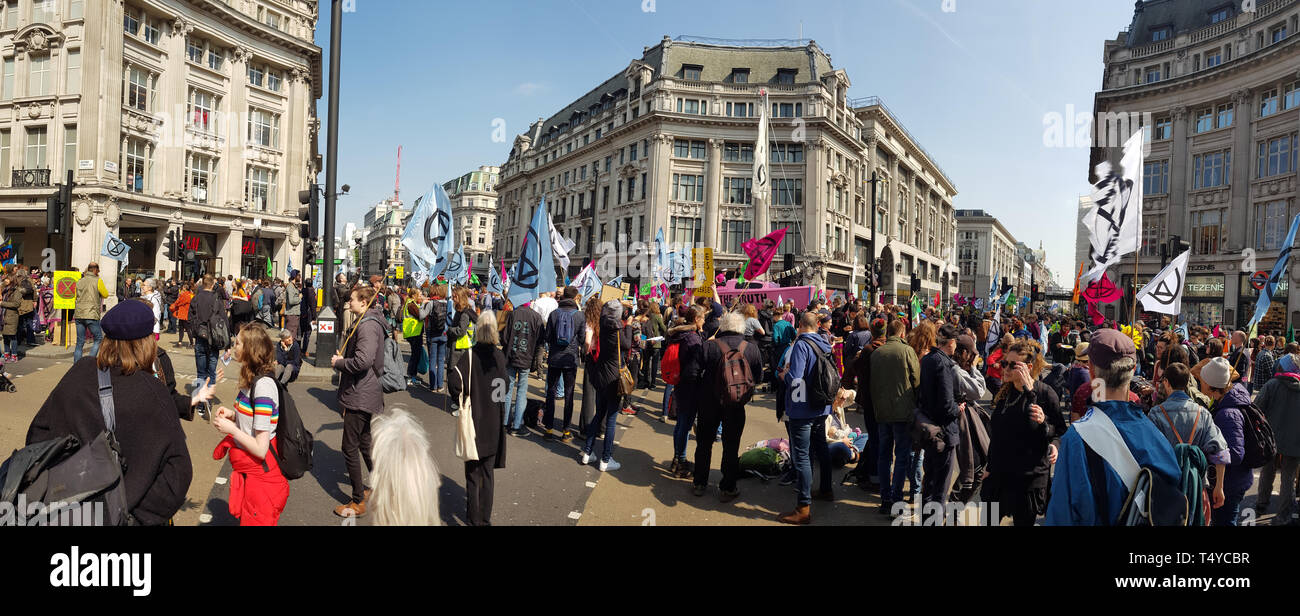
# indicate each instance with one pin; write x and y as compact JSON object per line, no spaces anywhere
{"x":1137,"y":257}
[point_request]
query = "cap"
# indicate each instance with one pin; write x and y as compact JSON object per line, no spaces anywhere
{"x":1217,"y":373}
{"x":1109,"y":345}
{"x":1081,"y":351}
{"x":967,"y":343}
{"x":129,"y":320}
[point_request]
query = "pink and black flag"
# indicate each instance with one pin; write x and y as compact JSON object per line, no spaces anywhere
{"x":761,"y":252}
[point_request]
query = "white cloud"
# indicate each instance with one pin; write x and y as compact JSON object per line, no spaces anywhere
{"x":529,"y":88}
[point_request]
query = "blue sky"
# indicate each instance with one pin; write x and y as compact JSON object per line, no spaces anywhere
{"x":973,"y":84}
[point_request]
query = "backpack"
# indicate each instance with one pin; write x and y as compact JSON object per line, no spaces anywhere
{"x":671,"y":365}
{"x":1152,"y":500}
{"x":1192,"y":464}
{"x":294,"y":442}
{"x":822,"y":381}
{"x":734,"y":375}
{"x":563,"y":330}
{"x":1261,"y":447}
{"x":437,"y":320}
{"x":761,"y":462}
{"x":393,"y":380}
{"x":215,"y":330}
{"x":63,"y":470}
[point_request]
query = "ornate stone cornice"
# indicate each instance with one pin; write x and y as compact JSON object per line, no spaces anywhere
{"x":182,"y":26}
{"x":242,"y":54}
{"x":1179,"y":112}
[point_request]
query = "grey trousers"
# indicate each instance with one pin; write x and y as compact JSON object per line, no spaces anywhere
{"x":1286,"y":508}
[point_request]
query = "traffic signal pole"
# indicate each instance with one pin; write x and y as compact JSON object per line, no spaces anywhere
{"x":327,"y":341}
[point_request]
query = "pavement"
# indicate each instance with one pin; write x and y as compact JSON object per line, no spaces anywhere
{"x":542,"y":485}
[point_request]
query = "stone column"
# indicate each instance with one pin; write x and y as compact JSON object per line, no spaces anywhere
{"x":1243,"y":162}
{"x":660,"y":189}
{"x":713,"y":195}
{"x":235,"y":128}
{"x":814,"y":207}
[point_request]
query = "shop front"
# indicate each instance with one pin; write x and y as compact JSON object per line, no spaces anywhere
{"x":1203,"y":299}
{"x":1275,"y":320}
{"x":143,"y":254}
{"x":204,"y":259}
{"x":255,"y":254}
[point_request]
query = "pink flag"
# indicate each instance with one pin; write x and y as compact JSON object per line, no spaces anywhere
{"x":761,"y":252}
{"x":1097,"y":317}
{"x":1102,"y":291}
{"x":1217,"y":331}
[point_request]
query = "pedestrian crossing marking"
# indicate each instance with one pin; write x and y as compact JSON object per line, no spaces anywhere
{"x":221,"y":481}
{"x":591,"y":484}
{"x":573,"y":515}
{"x":205,"y":518}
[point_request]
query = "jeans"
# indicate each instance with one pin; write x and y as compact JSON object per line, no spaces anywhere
{"x":286,"y":374}
{"x":417,"y":353}
{"x":650,"y":366}
{"x":205,"y":361}
{"x":914,"y":472}
{"x":85,"y":326}
{"x":437,"y":362}
{"x":25,"y":333}
{"x":607,"y":414}
{"x":842,"y":454}
{"x":11,"y":345}
{"x":356,"y":448}
{"x":1266,"y":476}
{"x":896,"y":454}
{"x":567,"y":376}
{"x":732,"y":420}
{"x":171,"y":322}
{"x":1230,"y":513}
{"x":516,"y":398}
{"x":668,"y":394}
{"x":685,"y":420}
{"x":807,"y":439}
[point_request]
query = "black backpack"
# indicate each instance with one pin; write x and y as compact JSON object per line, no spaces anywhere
{"x":294,"y":443}
{"x":1261,"y":447}
{"x":734,"y":374}
{"x":64,"y":470}
{"x":217,"y":330}
{"x":823,"y":380}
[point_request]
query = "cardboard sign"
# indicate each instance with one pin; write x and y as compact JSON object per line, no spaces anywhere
{"x":627,"y":289}
{"x":401,"y":272}
{"x":65,"y":290}
{"x":799,"y":296}
{"x":702,"y":261}
{"x":608,"y":293}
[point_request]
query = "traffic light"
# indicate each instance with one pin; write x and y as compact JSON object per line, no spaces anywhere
{"x":916,"y":283}
{"x":1006,"y":286}
{"x":1034,"y":294}
{"x":58,"y":206}
{"x":309,"y":212}
{"x":1178,"y":245}
{"x":173,"y":251}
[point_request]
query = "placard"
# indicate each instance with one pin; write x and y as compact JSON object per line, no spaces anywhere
{"x":702,"y":262}
{"x":401,"y":272}
{"x":65,"y":290}
{"x":608,"y":293}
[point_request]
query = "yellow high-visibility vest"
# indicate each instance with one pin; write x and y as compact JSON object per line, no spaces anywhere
{"x":463,"y":342}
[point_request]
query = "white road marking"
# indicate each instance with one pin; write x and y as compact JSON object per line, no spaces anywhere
{"x":221,"y":481}
{"x":204,"y":518}
{"x":573,"y":515}
{"x":591,"y":484}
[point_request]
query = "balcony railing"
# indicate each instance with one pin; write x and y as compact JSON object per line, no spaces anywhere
{"x":561,"y":216}
{"x":31,"y":178}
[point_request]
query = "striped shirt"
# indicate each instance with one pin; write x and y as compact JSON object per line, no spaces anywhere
{"x":261,"y":410}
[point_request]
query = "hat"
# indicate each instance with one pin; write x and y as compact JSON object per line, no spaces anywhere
{"x":1109,"y":345}
{"x":1081,"y":351}
{"x":967,"y":343}
{"x":129,"y":320}
{"x":1217,"y":373}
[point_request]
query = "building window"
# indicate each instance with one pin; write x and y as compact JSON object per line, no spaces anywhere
{"x":263,"y":128}
{"x":739,"y":75}
{"x":1277,"y":34}
{"x":201,"y":177}
{"x":202,"y":108}
{"x":1212,"y":169}
{"x":194,"y":50}
{"x":130,"y":20}
{"x":738,"y":190}
{"x":37,"y":141}
{"x":1291,"y":95}
{"x":1223,"y":115}
{"x":4,"y":156}
{"x":259,"y":189}
{"x":691,"y":72}
{"x":740,"y":110}
{"x":76,"y":9}
{"x":8,"y":84}
{"x":786,"y":76}
{"x":1277,"y":156}
{"x":1204,"y":120}
{"x":256,"y":74}
{"x":1153,"y":74}
{"x":684,"y":231}
{"x":688,"y":188}
{"x":738,"y":152}
{"x":137,"y":90}
{"x":1161,"y":34}
{"x":787,"y":192}
{"x":735,"y":233}
{"x":1205,"y":232}
{"x":793,"y":242}
{"x":40,"y":80}
{"x":692,"y":106}
{"x":136,"y":167}
{"x":787,"y":110}
{"x":1151,"y":226}
{"x":631,"y":188}
{"x":69,"y":149}
{"x":787,"y":152}
{"x":74,"y":71}
{"x":1270,"y":225}
{"x":274,"y":79}
{"x":1219,"y":15}
{"x":631,"y":154}
{"x":1213,"y":58}
{"x":1268,"y":103}
{"x":643,"y":185}
{"x":42,"y":11}
{"x":1155,"y":178}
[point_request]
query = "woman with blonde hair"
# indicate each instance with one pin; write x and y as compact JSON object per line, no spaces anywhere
{"x":258,"y":490}
{"x":922,"y":339}
{"x":480,"y":370}
{"x":405,"y":476}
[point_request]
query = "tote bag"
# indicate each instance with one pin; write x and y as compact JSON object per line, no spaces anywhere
{"x":466,"y":448}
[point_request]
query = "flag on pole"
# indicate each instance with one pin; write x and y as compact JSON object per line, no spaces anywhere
{"x":936,"y":299}
{"x":587,"y":282}
{"x":995,"y":330}
{"x":916,"y":310}
{"x":1115,"y":223}
{"x":1290,"y":334}
{"x":1274,"y":279}
{"x":535,"y":270}
{"x":1077,"y":290}
{"x":762,"y":251}
{"x":9,"y":256}
{"x":473,"y":279}
{"x":1164,"y":294}
{"x":495,"y":283}
{"x":561,"y":245}
{"x":269,"y":271}
{"x":114,"y":248}
{"x":457,"y":268}
{"x":993,"y":288}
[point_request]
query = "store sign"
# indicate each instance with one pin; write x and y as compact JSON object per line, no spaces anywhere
{"x":86,"y":165}
{"x":1203,"y":267}
{"x":1204,"y":286}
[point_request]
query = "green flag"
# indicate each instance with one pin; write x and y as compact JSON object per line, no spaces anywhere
{"x":645,"y":288}
{"x":474,"y":279}
{"x":269,"y":272}
{"x":1011,"y":299}
{"x":1290,"y":334}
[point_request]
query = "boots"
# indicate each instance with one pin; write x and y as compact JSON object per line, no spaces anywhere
{"x":801,"y":515}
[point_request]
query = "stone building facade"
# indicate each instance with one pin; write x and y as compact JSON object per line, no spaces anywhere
{"x":474,"y":215}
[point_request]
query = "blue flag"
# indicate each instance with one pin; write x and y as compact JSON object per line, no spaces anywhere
{"x":535,"y":271}
{"x":1283,"y":258}
{"x":495,"y":284}
{"x":290,"y":275}
{"x":114,"y":248}
{"x":428,"y":237}
{"x":993,"y":289}
{"x":457,"y":269}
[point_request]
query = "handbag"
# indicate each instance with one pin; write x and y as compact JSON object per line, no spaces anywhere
{"x":411,"y":326}
{"x":626,"y":382}
{"x":466,"y":448}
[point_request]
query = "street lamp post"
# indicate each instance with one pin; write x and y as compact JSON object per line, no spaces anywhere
{"x":871,"y":262}
{"x":326,"y":341}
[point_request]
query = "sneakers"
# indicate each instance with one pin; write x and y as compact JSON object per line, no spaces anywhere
{"x":610,"y":466}
{"x":520,"y":432}
{"x":698,"y":489}
{"x":628,"y":411}
{"x":585,"y":459}
{"x":729,"y":495}
{"x":567,"y":437}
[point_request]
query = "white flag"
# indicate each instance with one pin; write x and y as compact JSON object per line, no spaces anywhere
{"x":587,"y":282}
{"x":560,"y":245}
{"x":1115,"y":223}
{"x":760,"y":188}
{"x":1164,"y":294}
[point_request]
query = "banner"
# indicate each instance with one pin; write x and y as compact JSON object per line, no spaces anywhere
{"x":799,"y":296}
{"x":1115,"y":223}
{"x":65,"y":290}
{"x":8,"y":256}
{"x":1164,"y":294}
{"x":587,"y":282}
{"x":762,"y":251}
{"x":1274,"y":279}
{"x":535,"y":270}
{"x":702,"y":258}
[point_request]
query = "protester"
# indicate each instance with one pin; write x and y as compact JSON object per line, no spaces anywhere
{"x":206,"y":309}
{"x":1215,"y":376}
{"x":686,"y":393}
{"x":258,"y":490}
{"x":480,"y":370}
{"x":937,"y":400}
{"x":605,"y":380}
{"x":895,"y":375}
{"x":405,"y":476}
{"x":715,"y":409}
{"x":1280,"y":402}
{"x":292,"y":303}
{"x":147,"y":428}
{"x":414,"y":309}
{"x":565,"y":330}
{"x":288,"y":358}
{"x":523,"y":336}
{"x":807,"y":423}
{"x":360,"y":397}
{"x":435,"y":330}
{"x":1025,"y":432}
{"x":1182,"y":420}
{"x":460,"y":331}
{"x":1265,"y":364}
{"x":993,"y":370}
{"x":10,"y":300}
{"x":1078,"y":498}
{"x":181,"y":311}
{"x":154,"y":297}
{"x":653,"y":327}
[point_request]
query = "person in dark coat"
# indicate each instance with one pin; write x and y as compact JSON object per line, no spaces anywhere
{"x":1024,"y":436}
{"x":148,"y":429}
{"x":613,"y":347}
{"x":686,"y":334}
{"x":361,"y":365}
{"x":714,"y":411}
{"x":460,"y":332}
{"x":307,"y":317}
{"x":523,"y":335}
{"x":288,"y":358}
{"x":857,"y":376}
{"x":937,"y":400}
{"x":485,"y":366}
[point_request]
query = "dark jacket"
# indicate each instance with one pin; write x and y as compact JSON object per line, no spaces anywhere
{"x":612,"y":349}
{"x":654,"y":327}
{"x":711,"y":320}
{"x":489,"y":368}
{"x":1280,"y":402}
{"x":308,"y":313}
{"x":341,"y":292}
{"x":290,"y":357}
{"x":858,"y":377}
{"x":712,"y":356}
{"x":158,"y":469}
{"x":522,"y":336}
{"x":436,"y":325}
{"x":855,"y":342}
{"x":802,"y":360}
{"x":363,"y":365}
{"x":568,"y":356}
{"x":202,"y":307}
{"x":1018,"y":446}
{"x":689,"y":358}
{"x":937,"y":396}
{"x":460,"y":325}
{"x":183,"y":408}
{"x":1228,"y":417}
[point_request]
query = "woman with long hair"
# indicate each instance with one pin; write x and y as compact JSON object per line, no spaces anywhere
{"x":1024,"y":436}
{"x":612,"y":346}
{"x":435,"y":330}
{"x":460,"y":334}
{"x":405,"y":476}
{"x":258,"y":490}
{"x":10,"y":300}
{"x":652,"y":327}
{"x":591,"y":312}
{"x":922,"y":339}
{"x":241,"y":306}
{"x":480,"y":370}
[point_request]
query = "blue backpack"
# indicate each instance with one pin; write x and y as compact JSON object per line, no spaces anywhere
{"x":564,"y":330}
